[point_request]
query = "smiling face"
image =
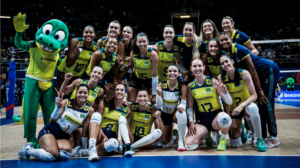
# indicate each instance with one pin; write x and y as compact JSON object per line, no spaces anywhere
{"x":113,"y":29}
{"x":142,"y":97}
{"x":225,"y":42}
{"x":188,"y":32}
{"x":173,"y":72}
{"x":208,"y":28}
{"x":169,"y":34}
{"x":89,"y":34}
{"x":52,"y":37}
{"x":96,"y":74}
{"x":213,"y":48}
{"x":111,"y":45}
{"x":227,"y":64}
{"x":120,"y":91}
{"x":227,"y":25}
{"x":127,"y":33}
{"x":142,"y":43}
{"x":197,"y":67}
{"x":82,"y":94}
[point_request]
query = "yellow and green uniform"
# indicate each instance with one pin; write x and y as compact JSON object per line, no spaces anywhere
{"x":141,"y":121}
{"x":42,"y":65}
{"x":238,"y":93}
{"x":142,"y":65}
{"x":103,"y":43}
{"x":239,"y":37}
{"x":84,"y":57}
{"x":166,"y":58}
{"x":110,"y":118}
{"x":206,"y":96}
{"x":127,"y":50}
{"x":214,"y":66}
{"x":93,"y":93}
{"x":105,"y":64}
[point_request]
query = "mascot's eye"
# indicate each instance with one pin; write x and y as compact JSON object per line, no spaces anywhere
{"x":47,"y":29}
{"x":60,"y":35}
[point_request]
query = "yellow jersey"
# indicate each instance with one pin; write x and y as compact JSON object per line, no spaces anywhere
{"x":93,"y":93}
{"x":110,"y":118}
{"x":140,"y":121}
{"x":142,"y":65}
{"x":206,"y":96}
{"x":166,"y":58}
{"x":238,"y":93}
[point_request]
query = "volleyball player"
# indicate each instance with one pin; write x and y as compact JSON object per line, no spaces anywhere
{"x":170,"y":92}
{"x":208,"y":31}
{"x":241,"y":88}
{"x":205,"y":91}
{"x":265,"y":74}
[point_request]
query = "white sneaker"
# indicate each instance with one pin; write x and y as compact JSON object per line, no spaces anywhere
{"x":254,"y":139}
{"x":22,"y":153}
{"x":272,"y":142}
{"x":74,"y":152}
{"x":128,"y":150}
{"x":250,"y":135}
{"x":216,"y":137}
{"x":83,"y":152}
{"x":93,"y":154}
{"x":158,"y":144}
{"x":181,"y":146}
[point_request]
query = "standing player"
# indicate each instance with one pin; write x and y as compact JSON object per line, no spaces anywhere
{"x":167,"y":52}
{"x":205,"y":91}
{"x":241,"y":88}
{"x":237,"y":36}
{"x":265,"y":74}
{"x":188,"y":50}
{"x":170,"y":92}
{"x":127,"y":35}
{"x":145,"y":62}
{"x":79,"y":54}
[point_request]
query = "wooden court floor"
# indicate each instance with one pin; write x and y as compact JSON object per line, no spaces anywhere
{"x":288,"y":124}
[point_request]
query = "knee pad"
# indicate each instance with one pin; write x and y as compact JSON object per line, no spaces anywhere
{"x":156,"y":134}
{"x":235,"y":143}
{"x":181,"y":118}
{"x":191,"y":147}
{"x":64,"y":155}
{"x":96,"y":117}
{"x":224,"y":120}
{"x":46,"y":156}
{"x":122,"y":120}
{"x":111,"y":145}
{"x":252,"y":109}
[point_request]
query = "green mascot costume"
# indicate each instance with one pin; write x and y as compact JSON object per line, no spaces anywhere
{"x":50,"y":39}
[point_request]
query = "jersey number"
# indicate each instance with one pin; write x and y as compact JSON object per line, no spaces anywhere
{"x":209,"y":109}
{"x":138,"y":130}
{"x":142,"y":75}
{"x":238,"y":100}
{"x":78,"y":67}
{"x":109,"y":127}
{"x":169,"y":110}
{"x":165,"y":71}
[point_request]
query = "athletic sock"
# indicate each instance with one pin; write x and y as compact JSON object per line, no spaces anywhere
{"x":92,"y":142}
{"x":223,"y":135}
{"x":147,"y":139}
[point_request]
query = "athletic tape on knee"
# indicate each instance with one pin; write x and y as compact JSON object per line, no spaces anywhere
{"x":191,"y":147}
{"x":235,"y":143}
{"x":96,"y":117}
{"x":46,"y":156}
{"x":224,"y":120}
{"x":111,"y":145}
{"x":64,"y":155}
{"x":181,"y":118}
{"x":252,"y":109}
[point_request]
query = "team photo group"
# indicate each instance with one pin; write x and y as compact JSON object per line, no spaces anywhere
{"x":213,"y":85}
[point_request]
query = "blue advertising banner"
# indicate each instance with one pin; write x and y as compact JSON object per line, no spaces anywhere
{"x":10,"y":90}
{"x":292,"y":95}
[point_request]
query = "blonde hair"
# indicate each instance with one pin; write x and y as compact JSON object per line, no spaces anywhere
{"x":196,"y":53}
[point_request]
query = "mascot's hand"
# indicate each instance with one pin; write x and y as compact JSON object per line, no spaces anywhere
{"x":19,"y":22}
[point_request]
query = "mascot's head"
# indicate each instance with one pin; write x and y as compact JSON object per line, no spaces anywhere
{"x":52,"y":37}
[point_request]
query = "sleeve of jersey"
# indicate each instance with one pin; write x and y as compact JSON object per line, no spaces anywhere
{"x":242,"y":52}
{"x":244,"y":38}
{"x":202,"y":47}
